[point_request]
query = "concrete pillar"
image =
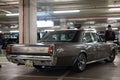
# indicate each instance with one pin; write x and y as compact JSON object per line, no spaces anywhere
{"x":27,"y":21}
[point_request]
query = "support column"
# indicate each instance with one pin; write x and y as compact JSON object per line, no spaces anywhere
{"x":27,"y":21}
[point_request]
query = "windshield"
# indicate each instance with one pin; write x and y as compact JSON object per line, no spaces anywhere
{"x":59,"y":36}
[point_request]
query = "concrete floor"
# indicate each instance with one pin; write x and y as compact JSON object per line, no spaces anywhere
{"x":95,"y":71}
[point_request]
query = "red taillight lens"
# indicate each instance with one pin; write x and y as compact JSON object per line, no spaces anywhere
{"x":8,"y":50}
{"x":50,"y":50}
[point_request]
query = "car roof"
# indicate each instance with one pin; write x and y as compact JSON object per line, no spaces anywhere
{"x":88,"y":30}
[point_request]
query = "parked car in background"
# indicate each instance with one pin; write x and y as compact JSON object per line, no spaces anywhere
{"x":9,"y":41}
{"x":74,"y":48}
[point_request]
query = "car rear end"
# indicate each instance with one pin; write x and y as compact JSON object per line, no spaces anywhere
{"x":42,"y":55}
{"x":53,"y":50}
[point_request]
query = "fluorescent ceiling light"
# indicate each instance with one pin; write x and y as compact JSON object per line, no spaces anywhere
{"x":45,"y":23}
{"x":114,"y":9}
{"x":62,"y":0}
{"x":67,"y":11}
{"x":77,"y":19}
{"x":14,"y":14}
{"x":43,"y":13}
{"x":90,"y":29}
{"x":12,"y":3}
{"x":114,"y":5}
{"x":49,"y":30}
{"x":114,"y":28}
{"x":46,"y":14}
{"x":114,"y":18}
{"x":90,"y":22}
{"x":14,"y":31}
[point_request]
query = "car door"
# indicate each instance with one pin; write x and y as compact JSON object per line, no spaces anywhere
{"x":87,"y":40}
{"x":100,"y":46}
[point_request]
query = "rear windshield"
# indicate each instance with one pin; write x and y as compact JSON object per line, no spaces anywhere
{"x":59,"y":36}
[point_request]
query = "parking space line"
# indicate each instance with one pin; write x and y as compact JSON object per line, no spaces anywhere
{"x":58,"y":78}
{"x":64,"y":75}
{"x":82,"y":78}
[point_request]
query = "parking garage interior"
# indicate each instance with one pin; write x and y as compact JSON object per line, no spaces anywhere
{"x":27,"y":21}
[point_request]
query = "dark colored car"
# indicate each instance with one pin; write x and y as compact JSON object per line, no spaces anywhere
{"x":9,"y":41}
{"x":74,"y":48}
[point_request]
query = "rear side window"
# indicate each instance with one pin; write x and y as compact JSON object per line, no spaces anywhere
{"x":59,"y":36}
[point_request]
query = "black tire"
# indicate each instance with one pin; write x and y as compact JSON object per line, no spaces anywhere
{"x":38,"y":67}
{"x":0,"y":66}
{"x":111,"y":57}
{"x":80,"y":64}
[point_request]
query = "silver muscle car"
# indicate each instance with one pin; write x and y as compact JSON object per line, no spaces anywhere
{"x":74,"y":48}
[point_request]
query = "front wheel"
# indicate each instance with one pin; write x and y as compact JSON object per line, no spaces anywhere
{"x":111,"y":57}
{"x":80,"y":64}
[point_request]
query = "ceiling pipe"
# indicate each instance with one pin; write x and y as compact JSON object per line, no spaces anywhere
{"x":6,"y":11}
{"x":10,"y":4}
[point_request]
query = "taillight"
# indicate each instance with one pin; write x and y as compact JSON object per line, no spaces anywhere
{"x":8,"y":50}
{"x":50,"y":50}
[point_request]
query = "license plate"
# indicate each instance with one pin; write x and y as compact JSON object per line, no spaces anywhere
{"x":29,"y":63}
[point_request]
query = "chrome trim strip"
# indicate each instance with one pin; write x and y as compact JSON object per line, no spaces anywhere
{"x":96,"y":60}
{"x":29,"y":49}
{"x":30,"y":57}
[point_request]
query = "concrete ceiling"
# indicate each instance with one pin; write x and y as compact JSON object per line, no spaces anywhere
{"x":6,"y":7}
{"x":96,"y":11}
{"x":90,"y":10}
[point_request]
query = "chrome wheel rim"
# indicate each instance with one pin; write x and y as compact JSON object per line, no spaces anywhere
{"x":82,"y":62}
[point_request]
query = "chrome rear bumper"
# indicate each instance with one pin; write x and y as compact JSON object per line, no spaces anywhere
{"x":37,"y":60}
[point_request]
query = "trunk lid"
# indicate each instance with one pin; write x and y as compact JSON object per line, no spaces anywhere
{"x":31,"y":49}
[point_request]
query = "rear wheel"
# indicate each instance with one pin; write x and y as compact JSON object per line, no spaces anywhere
{"x":111,"y":57}
{"x":80,"y":64}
